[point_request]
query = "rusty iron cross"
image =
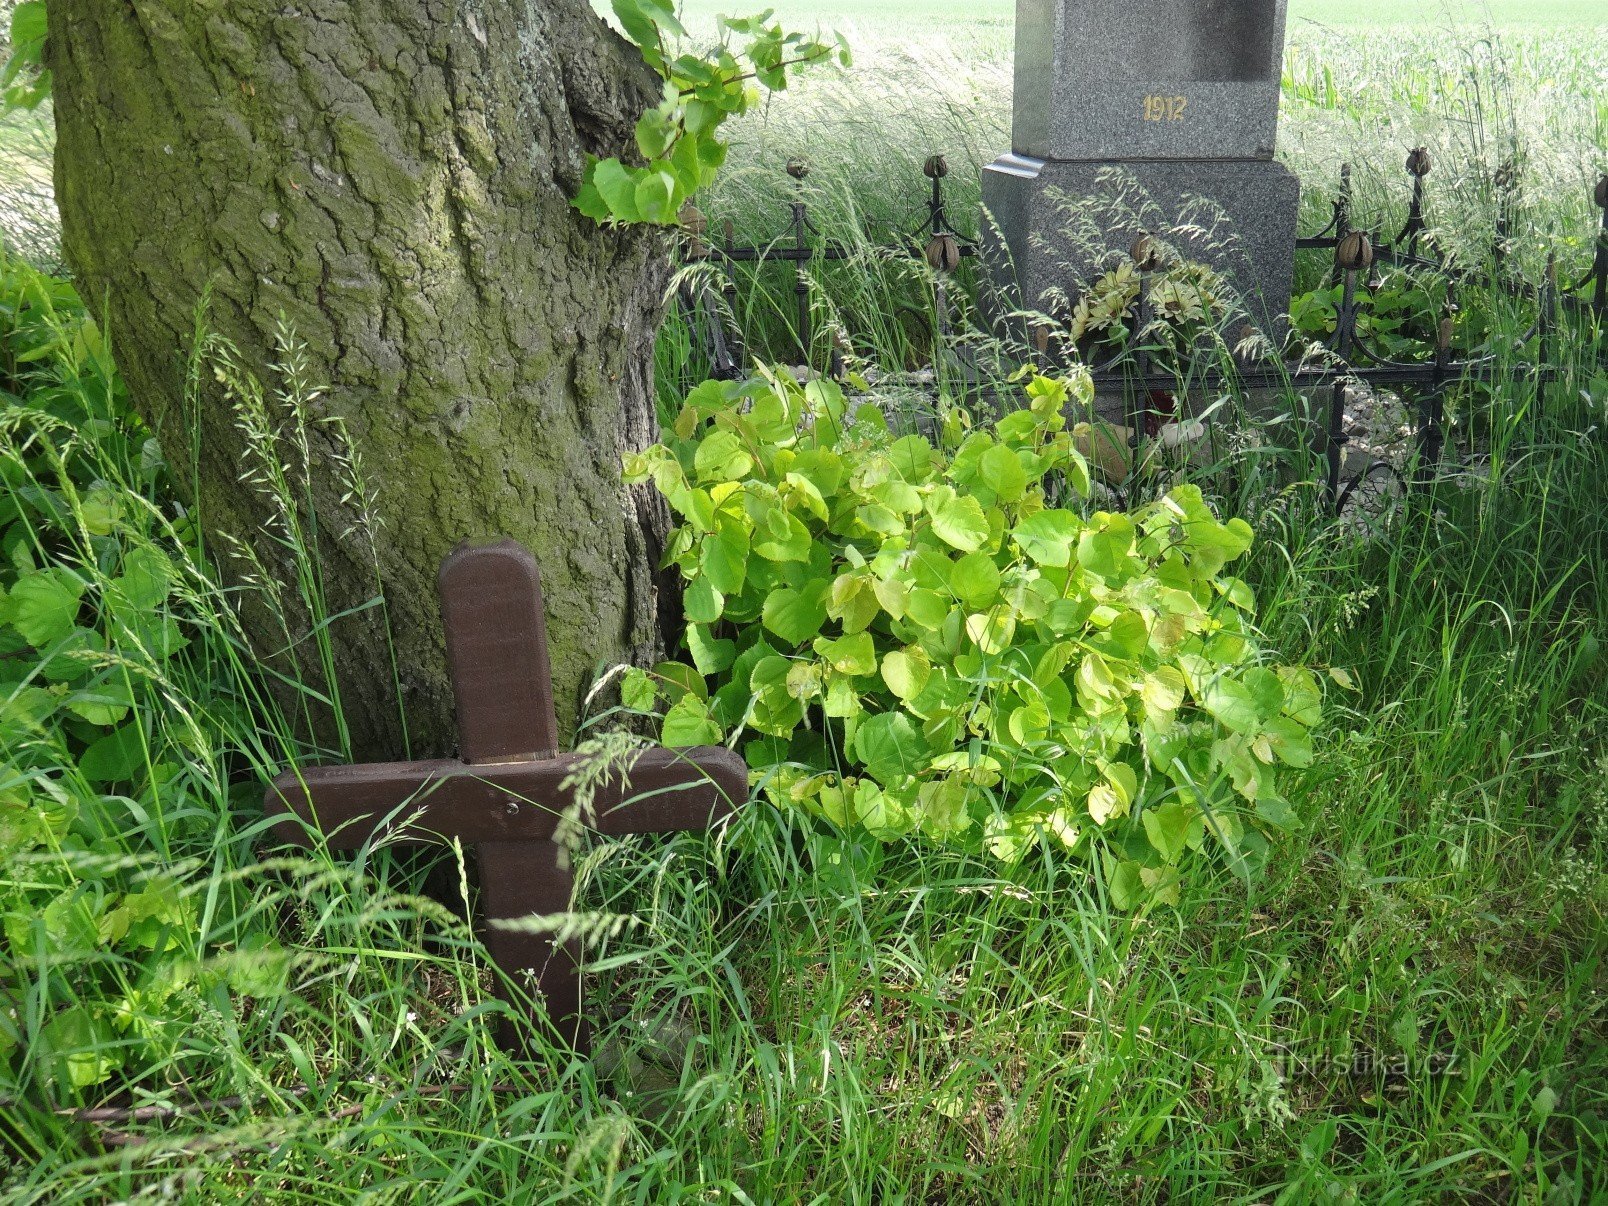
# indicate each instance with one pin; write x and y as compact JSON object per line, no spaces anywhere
{"x":508,"y":790}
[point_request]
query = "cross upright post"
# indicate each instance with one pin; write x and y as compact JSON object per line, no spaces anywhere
{"x":509,"y":788}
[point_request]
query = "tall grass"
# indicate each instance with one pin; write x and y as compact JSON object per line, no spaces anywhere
{"x":1409,"y":1005}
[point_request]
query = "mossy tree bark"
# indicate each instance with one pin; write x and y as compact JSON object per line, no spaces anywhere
{"x":392,"y":179}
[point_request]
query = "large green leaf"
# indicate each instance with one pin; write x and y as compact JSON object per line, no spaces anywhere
{"x":721,"y":458}
{"x":116,"y":757}
{"x":1126,"y":884}
{"x":146,"y":578}
{"x":78,"y":1048}
{"x":882,"y":812}
{"x":783,"y":537}
{"x":1303,"y":702}
{"x":796,"y":614}
{"x":853,"y":655}
{"x":701,"y":602}
{"x":688,"y":723}
{"x":975,"y":579}
{"x":1232,"y":703}
{"x":941,"y":808}
{"x":958,"y":522}
{"x":992,"y":630}
{"x":1105,"y":802}
{"x":927,"y":608}
{"x":104,"y":703}
{"x":853,"y":602}
{"x":616,"y":185}
{"x":1162,"y":692}
{"x":890,"y":746}
{"x":637,"y":690}
{"x":44,"y":605}
{"x":1103,"y":550}
{"x":1290,"y":741}
{"x":1002,"y":472}
{"x":906,"y":672}
{"x":1167,"y":827}
{"x":724,"y":556}
{"x":709,"y":653}
{"x":1047,"y":537}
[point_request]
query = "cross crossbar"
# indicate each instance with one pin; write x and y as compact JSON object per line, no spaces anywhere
{"x":661,"y":791}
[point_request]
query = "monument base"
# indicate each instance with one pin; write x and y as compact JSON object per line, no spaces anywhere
{"x":1054,"y":225}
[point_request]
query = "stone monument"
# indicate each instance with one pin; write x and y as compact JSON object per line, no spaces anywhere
{"x":1178,"y":97}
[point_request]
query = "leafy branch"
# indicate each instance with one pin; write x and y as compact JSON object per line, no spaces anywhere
{"x":24,"y":81}
{"x":679,"y":138}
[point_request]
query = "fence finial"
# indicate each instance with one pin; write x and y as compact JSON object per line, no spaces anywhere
{"x":1354,"y":253}
{"x":943,"y":252}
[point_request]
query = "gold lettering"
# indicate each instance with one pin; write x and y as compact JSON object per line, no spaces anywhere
{"x":1165,"y":108}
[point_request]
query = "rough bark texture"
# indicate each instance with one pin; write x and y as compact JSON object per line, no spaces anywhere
{"x":393,"y":178}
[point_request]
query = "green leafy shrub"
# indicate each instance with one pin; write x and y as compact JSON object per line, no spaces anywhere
{"x":119,"y":958}
{"x":918,"y":638}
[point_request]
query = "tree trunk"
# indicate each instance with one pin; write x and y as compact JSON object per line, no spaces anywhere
{"x":392,"y":179}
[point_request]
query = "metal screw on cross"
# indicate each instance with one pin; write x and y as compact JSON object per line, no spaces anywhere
{"x":507,"y":792}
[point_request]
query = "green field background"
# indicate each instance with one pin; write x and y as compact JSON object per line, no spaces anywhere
{"x":921,"y":16}
{"x":1493,"y":12}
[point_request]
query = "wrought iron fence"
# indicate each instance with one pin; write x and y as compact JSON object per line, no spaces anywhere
{"x":1348,"y":358}
{"x":933,"y":239}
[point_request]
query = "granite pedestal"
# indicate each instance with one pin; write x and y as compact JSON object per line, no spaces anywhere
{"x":1246,"y":211}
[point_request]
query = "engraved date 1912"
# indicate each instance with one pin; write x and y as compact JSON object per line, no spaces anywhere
{"x":1165,"y":108}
